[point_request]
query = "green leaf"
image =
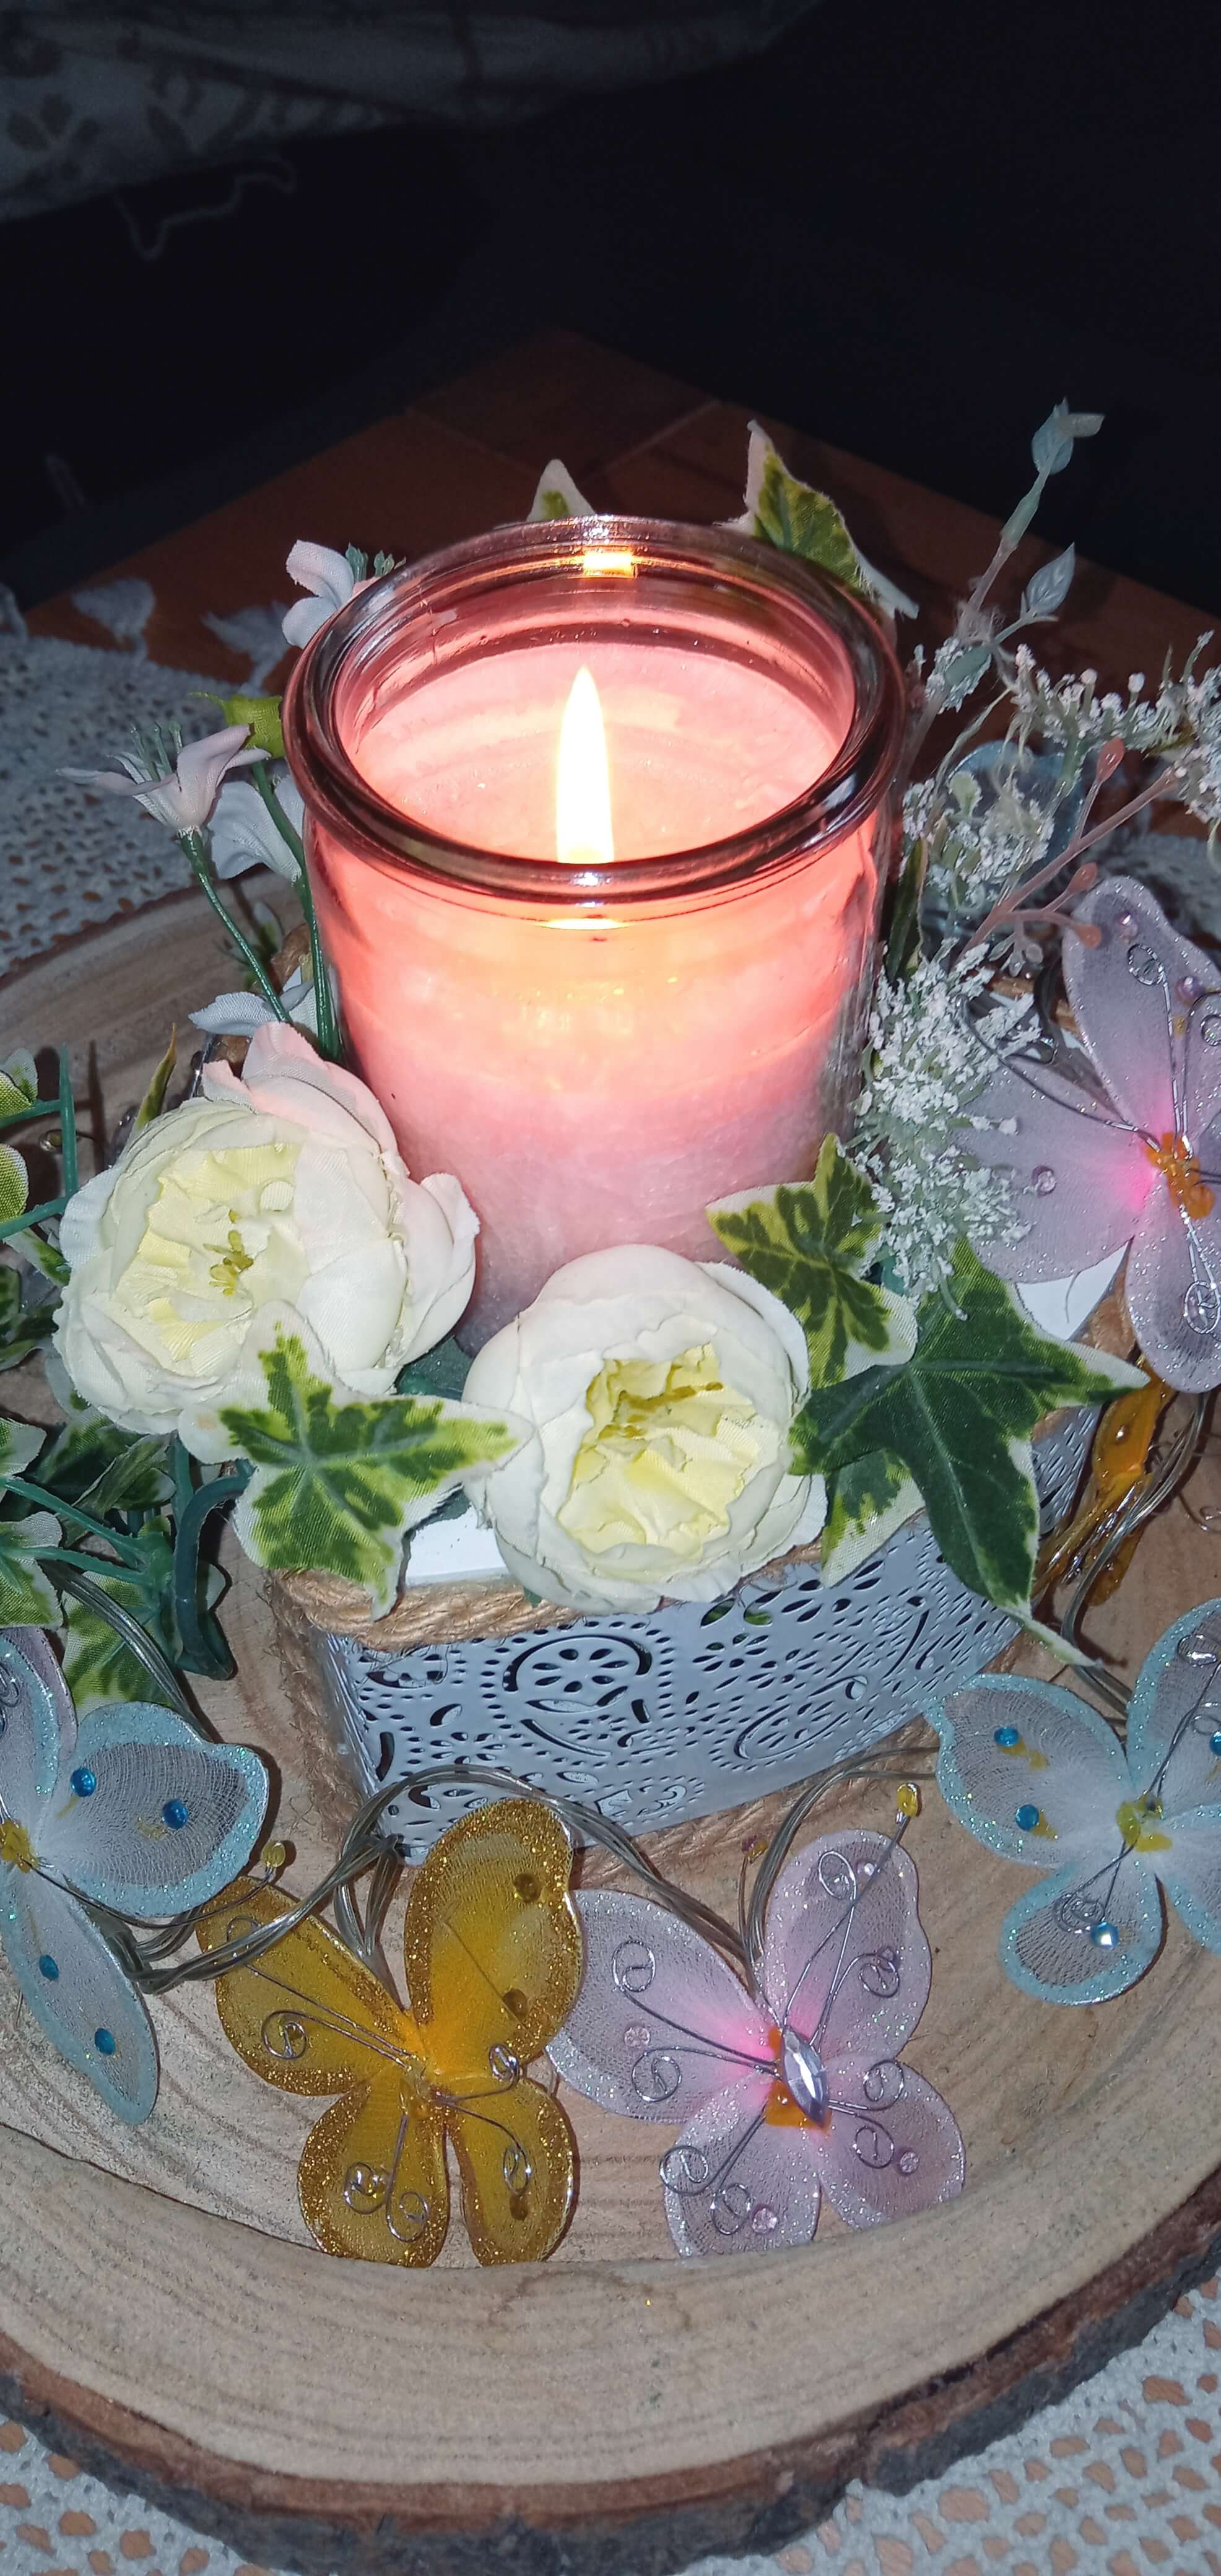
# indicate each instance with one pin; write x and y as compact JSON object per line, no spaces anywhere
{"x":43,"y":1256}
{"x":958,"y":1417}
{"x":154,"y":1098}
{"x":18,"y":1083}
{"x":14,"y":1184}
{"x":792,"y":515}
{"x":867,"y":1502}
{"x":19,"y":1443}
{"x":91,"y":1460}
{"x":440,"y":1371}
{"x":99,"y":1668}
{"x":26,"y":1597}
{"x":22,"y":1328}
{"x":339,"y":1479}
{"x":810,"y":1242}
{"x":557,"y":496}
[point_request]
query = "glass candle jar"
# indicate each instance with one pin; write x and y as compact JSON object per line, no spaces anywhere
{"x":600,"y":1042}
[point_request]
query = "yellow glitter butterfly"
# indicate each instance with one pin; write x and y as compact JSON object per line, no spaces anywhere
{"x":492,"y":1953}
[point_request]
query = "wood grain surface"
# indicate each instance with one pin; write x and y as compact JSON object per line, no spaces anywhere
{"x":163,"y":2312}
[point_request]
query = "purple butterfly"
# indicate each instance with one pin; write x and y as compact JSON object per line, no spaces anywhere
{"x":1127,"y":1149}
{"x":786,"y":2090}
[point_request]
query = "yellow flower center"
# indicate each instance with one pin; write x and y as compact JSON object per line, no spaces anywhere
{"x":219,"y":1239}
{"x":669,"y":1449}
{"x":1180,"y":1170}
{"x":16,"y":1847}
{"x":1136,"y":1820}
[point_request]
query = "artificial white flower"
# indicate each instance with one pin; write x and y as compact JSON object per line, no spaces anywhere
{"x":331,"y":582}
{"x":183,"y":800}
{"x":661,"y":1393}
{"x":245,"y":835}
{"x":283,"y":1188}
{"x":238,"y":1015}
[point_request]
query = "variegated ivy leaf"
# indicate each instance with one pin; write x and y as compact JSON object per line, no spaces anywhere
{"x":866,"y":1503}
{"x":14,"y":1184}
{"x":338,"y":1478}
{"x":26,"y":1597}
{"x":91,"y":1461}
{"x":18,"y":1083}
{"x":22,"y":1327}
{"x":41,"y":1253}
{"x":99,"y":1667}
{"x":19,"y":1443}
{"x":957,"y":1419}
{"x":792,"y":515}
{"x":811,"y":1242}
{"x":557,"y":496}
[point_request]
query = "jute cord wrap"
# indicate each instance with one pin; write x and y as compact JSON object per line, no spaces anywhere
{"x":433,"y":1614}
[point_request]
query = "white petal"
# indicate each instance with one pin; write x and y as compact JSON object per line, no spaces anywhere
{"x":1061,"y":1306}
{"x":233,"y":1015}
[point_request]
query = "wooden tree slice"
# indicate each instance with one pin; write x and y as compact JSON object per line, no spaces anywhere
{"x":165,"y":2318}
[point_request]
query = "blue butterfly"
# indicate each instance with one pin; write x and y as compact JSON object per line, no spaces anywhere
{"x":132,"y":1812}
{"x":1040,"y":1777}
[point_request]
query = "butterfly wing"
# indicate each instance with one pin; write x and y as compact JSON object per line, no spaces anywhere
{"x":78,"y":1992}
{"x":1087,"y":1933}
{"x":32,"y":1646}
{"x":1012,"y":1748}
{"x":661,"y":2024}
{"x":891,"y":2146}
{"x":1174,"y":1720}
{"x":168,"y":1821}
{"x":845,"y":1960}
{"x":739,"y":2182}
{"x":309,"y":2018}
{"x":33,"y":1724}
{"x":492,"y":1949}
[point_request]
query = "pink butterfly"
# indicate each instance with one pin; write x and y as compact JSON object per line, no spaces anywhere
{"x":786,"y":2090}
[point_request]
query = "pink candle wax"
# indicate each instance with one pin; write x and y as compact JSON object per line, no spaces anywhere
{"x":601,"y":1043}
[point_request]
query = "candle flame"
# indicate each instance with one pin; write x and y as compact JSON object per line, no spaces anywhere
{"x":583,"y":833}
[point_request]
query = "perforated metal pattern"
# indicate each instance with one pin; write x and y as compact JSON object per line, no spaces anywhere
{"x":691,"y":1709}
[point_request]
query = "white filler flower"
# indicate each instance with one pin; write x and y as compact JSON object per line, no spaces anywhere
{"x":661,"y":1393}
{"x":284,"y":1187}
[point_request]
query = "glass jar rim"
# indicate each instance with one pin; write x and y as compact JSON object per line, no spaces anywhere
{"x":842,"y":797}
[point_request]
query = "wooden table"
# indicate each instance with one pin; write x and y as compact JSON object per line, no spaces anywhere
{"x":460,"y":459}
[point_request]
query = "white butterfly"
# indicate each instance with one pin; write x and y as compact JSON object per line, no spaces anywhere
{"x":132,"y":1812}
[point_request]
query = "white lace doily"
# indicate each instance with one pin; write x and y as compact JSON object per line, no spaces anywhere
{"x":1125,"y":2476}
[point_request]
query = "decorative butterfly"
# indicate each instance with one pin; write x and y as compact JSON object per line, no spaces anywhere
{"x":784,"y":2091}
{"x":492,"y":1952}
{"x":131,"y":1812}
{"x":1040,"y":1777}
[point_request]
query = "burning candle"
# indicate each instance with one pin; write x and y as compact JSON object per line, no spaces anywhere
{"x":594,"y":830}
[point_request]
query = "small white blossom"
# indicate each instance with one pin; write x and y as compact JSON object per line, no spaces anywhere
{"x":245,"y":835}
{"x":183,"y":800}
{"x":927,"y":1063}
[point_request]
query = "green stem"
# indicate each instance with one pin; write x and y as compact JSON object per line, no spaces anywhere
{"x":93,"y":1565}
{"x":194,"y":845}
{"x":328,"y":1034}
{"x":32,"y":1216}
{"x":67,"y":1127}
{"x":74,"y":1512}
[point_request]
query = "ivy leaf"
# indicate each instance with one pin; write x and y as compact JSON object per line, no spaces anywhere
{"x":91,"y":1460}
{"x":154,"y":1098}
{"x":42,"y":1255}
{"x":958,"y":1419}
{"x":22,"y":1327}
{"x":557,"y":496}
{"x":440,"y":1371}
{"x":792,"y":515}
{"x":338,"y":1478}
{"x":20,"y":1442}
{"x":1048,"y":588}
{"x":811,"y":1242}
{"x":18,"y":1083}
{"x":26,"y":1597}
{"x":866,"y":1503}
{"x":14,"y":1184}
{"x":99,"y":1667}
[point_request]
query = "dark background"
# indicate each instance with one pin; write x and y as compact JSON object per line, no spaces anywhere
{"x":908,"y":229}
